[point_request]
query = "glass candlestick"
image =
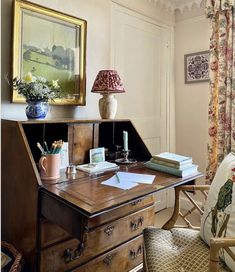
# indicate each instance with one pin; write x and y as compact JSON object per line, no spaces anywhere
{"x":126,"y":159}
{"x":125,"y":154}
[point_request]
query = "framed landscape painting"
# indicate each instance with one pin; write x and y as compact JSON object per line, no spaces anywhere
{"x":196,"y":67}
{"x":50,"y":44}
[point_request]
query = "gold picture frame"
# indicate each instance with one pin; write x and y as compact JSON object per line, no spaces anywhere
{"x":50,"y":44}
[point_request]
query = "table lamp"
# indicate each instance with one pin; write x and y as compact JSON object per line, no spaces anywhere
{"x":107,"y":83}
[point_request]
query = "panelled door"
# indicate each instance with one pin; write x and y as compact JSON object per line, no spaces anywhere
{"x":138,"y":50}
{"x":139,"y":53}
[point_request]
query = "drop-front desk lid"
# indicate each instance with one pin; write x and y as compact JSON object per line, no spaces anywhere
{"x":86,"y":193}
{"x":71,"y":203}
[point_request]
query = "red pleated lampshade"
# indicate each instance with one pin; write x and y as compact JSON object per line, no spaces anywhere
{"x":108,"y":81}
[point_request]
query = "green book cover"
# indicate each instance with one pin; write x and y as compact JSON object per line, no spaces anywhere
{"x":174,"y":171}
{"x":172,"y":164}
{"x":173,"y":158}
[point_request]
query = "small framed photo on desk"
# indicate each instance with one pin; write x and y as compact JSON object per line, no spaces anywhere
{"x":97,"y":155}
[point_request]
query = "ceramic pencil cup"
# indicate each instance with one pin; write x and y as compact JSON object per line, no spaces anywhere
{"x":49,"y":165}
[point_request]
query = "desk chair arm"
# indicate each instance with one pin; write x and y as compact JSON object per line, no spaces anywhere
{"x":215,"y":245}
{"x":176,"y":213}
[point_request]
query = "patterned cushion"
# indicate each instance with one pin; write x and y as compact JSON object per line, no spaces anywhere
{"x":219,"y":211}
{"x":175,"y":250}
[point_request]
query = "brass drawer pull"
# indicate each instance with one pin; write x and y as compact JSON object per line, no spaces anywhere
{"x":71,"y":255}
{"x":136,"y":224}
{"x":109,"y":230}
{"x":136,"y":202}
{"x":134,"y":254}
{"x":108,"y":259}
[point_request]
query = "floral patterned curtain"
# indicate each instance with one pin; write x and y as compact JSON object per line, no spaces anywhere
{"x":222,"y":83}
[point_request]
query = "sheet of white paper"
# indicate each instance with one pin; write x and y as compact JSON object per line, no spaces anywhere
{"x":137,"y":178}
{"x":125,"y":185}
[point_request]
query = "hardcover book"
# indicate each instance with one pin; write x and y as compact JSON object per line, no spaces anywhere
{"x":191,"y":170}
{"x":173,"y":158}
{"x":180,"y":166}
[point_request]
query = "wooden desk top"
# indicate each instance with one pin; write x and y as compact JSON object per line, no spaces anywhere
{"x":91,"y":197}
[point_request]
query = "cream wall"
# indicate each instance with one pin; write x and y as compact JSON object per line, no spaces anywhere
{"x":97,"y":13}
{"x":191,"y":103}
{"x":191,"y":35}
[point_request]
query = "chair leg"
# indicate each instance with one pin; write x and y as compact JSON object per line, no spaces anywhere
{"x":214,"y":257}
{"x":171,"y":222}
{"x":215,"y":245}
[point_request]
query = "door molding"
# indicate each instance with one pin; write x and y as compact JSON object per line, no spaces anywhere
{"x":167,"y":73}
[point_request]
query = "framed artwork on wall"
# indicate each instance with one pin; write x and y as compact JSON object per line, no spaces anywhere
{"x":196,"y":67}
{"x":50,"y":44}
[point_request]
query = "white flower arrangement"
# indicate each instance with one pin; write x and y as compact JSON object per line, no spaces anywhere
{"x":37,"y":88}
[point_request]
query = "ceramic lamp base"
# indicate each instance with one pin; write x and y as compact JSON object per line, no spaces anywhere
{"x":108,"y":106}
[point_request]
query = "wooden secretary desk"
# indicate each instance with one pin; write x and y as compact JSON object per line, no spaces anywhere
{"x":75,"y":223}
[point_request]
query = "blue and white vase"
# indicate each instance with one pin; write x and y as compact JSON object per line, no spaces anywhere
{"x":36,"y":109}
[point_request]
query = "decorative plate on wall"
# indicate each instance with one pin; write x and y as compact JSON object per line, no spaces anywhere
{"x":196,"y":67}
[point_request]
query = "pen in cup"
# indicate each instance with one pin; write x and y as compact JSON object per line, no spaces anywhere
{"x":41,"y":148}
{"x":55,"y":147}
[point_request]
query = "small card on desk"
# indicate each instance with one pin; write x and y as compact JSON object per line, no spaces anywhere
{"x":97,"y":155}
{"x":64,"y":156}
{"x":97,"y":162}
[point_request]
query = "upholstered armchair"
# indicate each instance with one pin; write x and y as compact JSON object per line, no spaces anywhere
{"x":210,"y":247}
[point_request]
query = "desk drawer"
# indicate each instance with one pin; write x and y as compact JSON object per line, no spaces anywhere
{"x":120,"y":259}
{"x":121,"y":211}
{"x":116,"y":232}
{"x":98,"y":240}
{"x":52,"y":233}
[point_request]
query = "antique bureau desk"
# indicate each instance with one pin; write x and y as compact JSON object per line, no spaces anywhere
{"x":75,"y":223}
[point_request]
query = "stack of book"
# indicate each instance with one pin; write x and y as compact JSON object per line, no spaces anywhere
{"x":174,"y":164}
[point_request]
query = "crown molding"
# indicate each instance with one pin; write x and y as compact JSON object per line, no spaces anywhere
{"x":192,"y":20}
{"x":172,"y":5}
{"x":188,"y":4}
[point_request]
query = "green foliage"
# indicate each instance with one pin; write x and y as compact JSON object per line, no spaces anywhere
{"x":37,"y":88}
